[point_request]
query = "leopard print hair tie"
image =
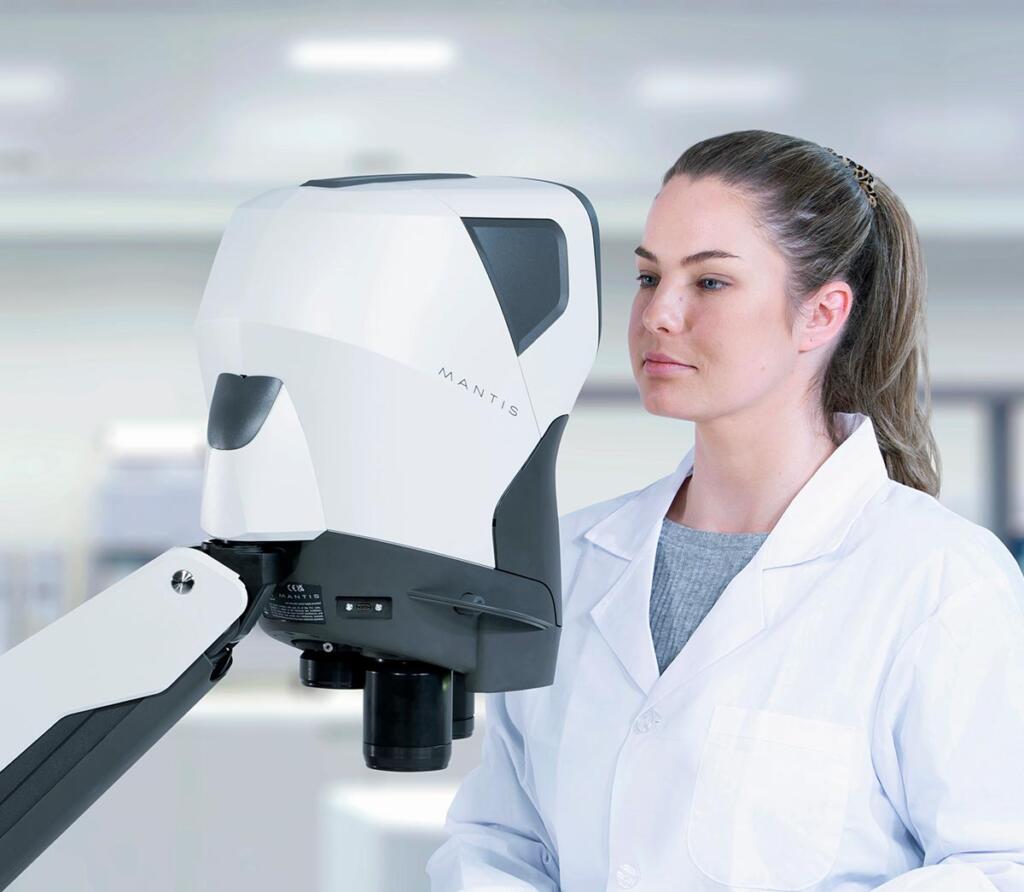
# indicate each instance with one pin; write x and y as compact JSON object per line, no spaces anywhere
{"x":864,"y":177}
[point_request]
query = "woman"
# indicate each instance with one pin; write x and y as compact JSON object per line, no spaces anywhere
{"x":847,"y":712}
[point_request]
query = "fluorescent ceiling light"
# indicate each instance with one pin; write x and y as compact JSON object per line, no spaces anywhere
{"x":126,"y":438}
{"x":372,"y":55}
{"x":687,"y":88}
{"x":28,"y":87}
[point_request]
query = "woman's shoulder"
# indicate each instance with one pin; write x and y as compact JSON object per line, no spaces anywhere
{"x":926,"y":523}
{"x":905,"y":527}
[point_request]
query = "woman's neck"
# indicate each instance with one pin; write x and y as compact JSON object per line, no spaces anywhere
{"x":745,"y":476}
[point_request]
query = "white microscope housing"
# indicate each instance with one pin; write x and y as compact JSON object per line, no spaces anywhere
{"x":427,"y":332}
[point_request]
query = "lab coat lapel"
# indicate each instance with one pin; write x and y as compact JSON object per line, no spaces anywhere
{"x":630,"y":537}
{"x":814,"y":523}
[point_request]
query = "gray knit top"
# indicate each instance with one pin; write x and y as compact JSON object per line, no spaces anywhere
{"x":691,"y":569}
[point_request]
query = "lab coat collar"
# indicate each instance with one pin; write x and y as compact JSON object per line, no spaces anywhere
{"x":814,"y":523}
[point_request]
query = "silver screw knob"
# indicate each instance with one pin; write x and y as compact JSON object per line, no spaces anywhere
{"x":182,"y":582}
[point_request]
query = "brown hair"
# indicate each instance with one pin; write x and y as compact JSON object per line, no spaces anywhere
{"x":811,"y":205}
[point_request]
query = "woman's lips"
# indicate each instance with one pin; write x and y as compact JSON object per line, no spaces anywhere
{"x":666,"y":368}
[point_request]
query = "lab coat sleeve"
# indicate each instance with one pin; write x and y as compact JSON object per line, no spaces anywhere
{"x":496,"y":838}
{"x":948,"y":740}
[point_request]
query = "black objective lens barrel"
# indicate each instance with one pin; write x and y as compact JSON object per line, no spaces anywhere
{"x":407,"y":715}
{"x":463,"y":707}
{"x":331,"y":670}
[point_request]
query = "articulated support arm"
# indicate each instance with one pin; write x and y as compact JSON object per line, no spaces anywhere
{"x":84,"y":698}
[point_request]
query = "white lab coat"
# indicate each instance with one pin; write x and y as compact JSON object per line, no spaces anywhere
{"x":849,"y":716}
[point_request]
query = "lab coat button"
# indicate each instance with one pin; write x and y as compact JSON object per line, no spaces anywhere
{"x":647,"y":720}
{"x":627,"y":876}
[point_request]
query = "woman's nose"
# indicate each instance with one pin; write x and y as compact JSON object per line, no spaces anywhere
{"x":665,"y":310}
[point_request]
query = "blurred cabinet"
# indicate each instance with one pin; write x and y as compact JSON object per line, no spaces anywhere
{"x":381,"y":839}
{"x":33,"y":588}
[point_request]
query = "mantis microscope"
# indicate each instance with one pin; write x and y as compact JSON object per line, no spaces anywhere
{"x":389,"y":363}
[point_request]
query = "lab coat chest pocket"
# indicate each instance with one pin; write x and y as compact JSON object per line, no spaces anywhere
{"x":770,"y":798}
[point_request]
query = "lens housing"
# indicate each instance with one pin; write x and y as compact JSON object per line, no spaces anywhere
{"x":407,"y":715}
{"x":338,"y":669}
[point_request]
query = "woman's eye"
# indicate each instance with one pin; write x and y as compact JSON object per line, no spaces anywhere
{"x":644,"y":284}
{"x":719,"y":281}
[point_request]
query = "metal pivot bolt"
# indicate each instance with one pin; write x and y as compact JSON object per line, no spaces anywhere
{"x":182,"y":582}
{"x":470,"y":598}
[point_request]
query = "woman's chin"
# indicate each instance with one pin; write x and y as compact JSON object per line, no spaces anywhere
{"x":660,"y":401}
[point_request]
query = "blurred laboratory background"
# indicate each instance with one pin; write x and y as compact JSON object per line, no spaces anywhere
{"x":130,"y":130}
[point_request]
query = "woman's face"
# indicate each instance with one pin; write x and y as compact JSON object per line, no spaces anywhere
{"x":723,"y":316}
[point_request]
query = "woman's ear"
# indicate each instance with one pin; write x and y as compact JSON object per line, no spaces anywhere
{"x":823,"y":315}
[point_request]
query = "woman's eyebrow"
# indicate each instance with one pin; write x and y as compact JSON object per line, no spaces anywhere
{"x":713,"y":254}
